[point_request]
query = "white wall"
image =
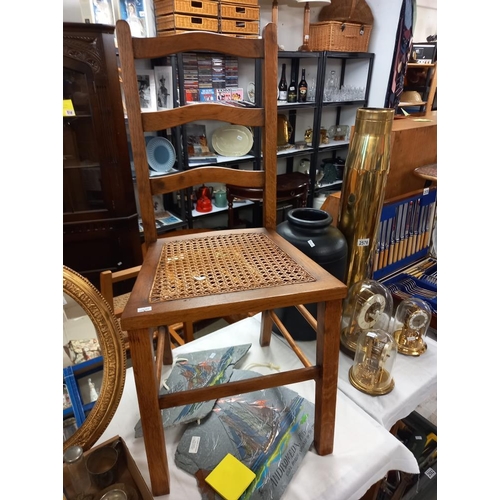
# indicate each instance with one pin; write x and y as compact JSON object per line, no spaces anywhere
{"x":290,"y":30}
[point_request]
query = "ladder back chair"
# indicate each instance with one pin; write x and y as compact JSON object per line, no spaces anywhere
{"x":234,"y":271}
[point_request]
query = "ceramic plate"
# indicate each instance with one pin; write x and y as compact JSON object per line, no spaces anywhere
{"x":161,"y":154}
{"x":232,"y":140}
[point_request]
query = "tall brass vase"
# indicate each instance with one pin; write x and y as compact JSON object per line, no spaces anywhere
{"x":363,"y":190}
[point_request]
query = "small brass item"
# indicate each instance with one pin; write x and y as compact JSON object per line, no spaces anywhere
{"x":411,"y":322}
{"x":285,"y":130}
{"x":373,"y":362}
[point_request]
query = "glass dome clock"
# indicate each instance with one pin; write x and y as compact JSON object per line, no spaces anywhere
{"x":411,"y":322}
{"x":368,"y":305}
{"x":373,"y":362}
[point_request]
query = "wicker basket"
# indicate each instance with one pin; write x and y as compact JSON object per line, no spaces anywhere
{"x":241,"y":2}
{"x":197,"y":7}
{"x":338,"y":36}
{"x":238,"y":11}
{"x":187,"y":22}
{"x":238,"y":26}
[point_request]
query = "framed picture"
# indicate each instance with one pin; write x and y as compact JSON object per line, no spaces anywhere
{"x":102,"y":12}
{"x":163,"y":80}
{"x":147,"y":89}
{"x":134,"y":12}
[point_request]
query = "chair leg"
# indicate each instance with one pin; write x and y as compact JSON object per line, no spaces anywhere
{"x":161,"y":352}
{"x":266,"y":328}
{"x":188,"y":331}
{"x":147,"y":396}
{"x":327,"y":358}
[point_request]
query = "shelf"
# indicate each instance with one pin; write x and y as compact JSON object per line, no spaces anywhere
{"x":411,"y":104}
{"x":224,"y":160}
{"x":326,"y":186}
{"x":296,"y":105}
{"x":360,"y":102}
{"x":236,"y":204}
{"x":332,"y":146}
{"x":293,"y":151}
{"x":421,"y":65}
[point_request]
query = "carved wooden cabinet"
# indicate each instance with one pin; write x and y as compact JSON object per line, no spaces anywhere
{"x":100,"y":221}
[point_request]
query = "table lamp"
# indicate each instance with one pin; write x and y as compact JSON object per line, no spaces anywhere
{"x":307,"y":14}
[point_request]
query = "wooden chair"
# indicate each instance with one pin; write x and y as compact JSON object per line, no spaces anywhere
{"x":179,"y":333}
{"x":224,"y":272}
{"x":292,"y":187}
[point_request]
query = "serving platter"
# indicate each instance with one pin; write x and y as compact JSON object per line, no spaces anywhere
{"x":232,"y":140}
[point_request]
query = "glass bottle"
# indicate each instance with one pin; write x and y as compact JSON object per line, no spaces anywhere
{"x":282,"y":87}
{"x":292,"y":90}
{"x":332,"y":86}
{"x":303,"y":87}
{"x":76,"y":470}
{"x":311,"y":91}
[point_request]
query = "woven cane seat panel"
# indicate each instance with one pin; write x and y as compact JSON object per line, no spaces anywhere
{"x":220,"y":264}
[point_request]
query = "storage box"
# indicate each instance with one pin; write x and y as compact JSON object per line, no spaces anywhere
{"x":186,"y":22}
{"x":128,"y":473}
{"x":237,"y":26}
{"x":239,"y":11}
{"x":207,"y":8}
{"x":338,"y":36}
{"x":242,"y":2}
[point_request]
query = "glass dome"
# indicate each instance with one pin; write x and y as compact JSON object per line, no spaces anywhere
{"x":368,"y":305}
{"x":410,"y":325}
{"x":371,"y":372}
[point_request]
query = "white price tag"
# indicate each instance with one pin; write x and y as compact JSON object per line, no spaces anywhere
{"x":311,"y":243}
{"x":144,"y":309}
{"x":426,"y":191}
{"x":363,"y":242}
{"x":430,"y":472}
{"x":194,"y":445}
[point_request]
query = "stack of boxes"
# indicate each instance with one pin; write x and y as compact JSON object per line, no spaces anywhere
{"x":239,"y":18}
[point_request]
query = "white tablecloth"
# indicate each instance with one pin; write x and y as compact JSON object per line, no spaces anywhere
{"x":363,"y":450}
{"x":415,"y":378}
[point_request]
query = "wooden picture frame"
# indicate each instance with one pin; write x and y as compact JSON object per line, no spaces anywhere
{"x":134,"y":12}
{"x":102,"y":12}
{"x":147,"y":89}
{"x":164,"y":82}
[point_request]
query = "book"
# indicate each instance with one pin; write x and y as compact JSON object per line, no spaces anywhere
{"x":237,"y":94}
{"x":197,"y":143}
{"x":224,"y":94}
{"x":207,"y":95}
{"x":230,"y":478}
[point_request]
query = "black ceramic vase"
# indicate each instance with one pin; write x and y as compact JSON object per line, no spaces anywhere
{"x":310,"y":230}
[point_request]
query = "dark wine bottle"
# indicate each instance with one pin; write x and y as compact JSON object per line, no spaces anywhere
{"x":303,"y":87}
{"x":282,"y":87}
{"x":292,"y":90}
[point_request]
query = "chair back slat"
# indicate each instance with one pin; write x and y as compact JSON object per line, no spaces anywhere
{"x":264,"y":115}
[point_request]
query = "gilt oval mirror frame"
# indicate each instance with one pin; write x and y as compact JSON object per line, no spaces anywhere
{"x":110,"y":339}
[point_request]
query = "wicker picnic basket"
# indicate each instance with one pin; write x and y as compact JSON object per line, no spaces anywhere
{"x":345,"y":26}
